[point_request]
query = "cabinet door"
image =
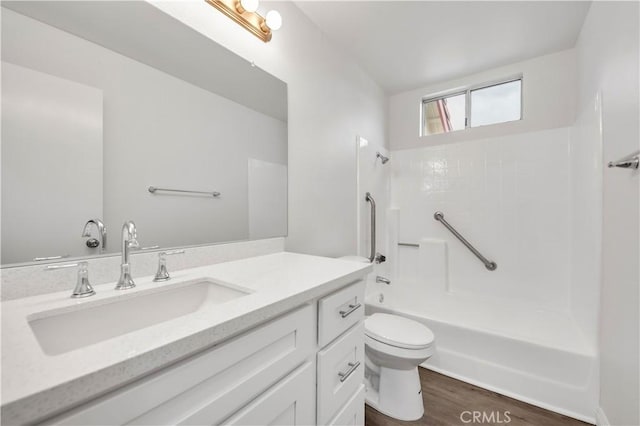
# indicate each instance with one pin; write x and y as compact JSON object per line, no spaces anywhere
{"x":208,"y":387}
{"x":289,"y":402}
{"x":352,"y":414}
{"x":340,"y":372}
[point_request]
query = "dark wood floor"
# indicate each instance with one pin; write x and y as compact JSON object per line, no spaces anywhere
{"x":445,"y":400}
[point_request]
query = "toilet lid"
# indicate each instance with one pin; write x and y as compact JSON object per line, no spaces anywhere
{"x":398,"y":331}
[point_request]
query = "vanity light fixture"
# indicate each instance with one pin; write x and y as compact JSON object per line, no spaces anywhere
{"x":244,"y":13}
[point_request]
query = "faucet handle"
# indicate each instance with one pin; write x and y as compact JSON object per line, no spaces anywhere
{"x":162,"y":274}
{"x":83,"y":286}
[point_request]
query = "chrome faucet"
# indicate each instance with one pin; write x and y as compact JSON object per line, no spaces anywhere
{"x":102,"y":231}
{"x":129,"y":240}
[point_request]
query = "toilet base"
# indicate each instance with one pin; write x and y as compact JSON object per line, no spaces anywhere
{"x":395,"y":393}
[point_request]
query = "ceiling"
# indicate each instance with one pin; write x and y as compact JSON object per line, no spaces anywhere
{"x":409,"y":44}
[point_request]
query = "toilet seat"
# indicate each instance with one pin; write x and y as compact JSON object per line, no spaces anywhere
{"x":398,"y":331}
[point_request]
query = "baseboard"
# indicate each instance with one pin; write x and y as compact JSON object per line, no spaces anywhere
{"x":601,"y":418}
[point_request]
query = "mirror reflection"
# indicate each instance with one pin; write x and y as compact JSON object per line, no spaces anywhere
{"x":114,"y":111}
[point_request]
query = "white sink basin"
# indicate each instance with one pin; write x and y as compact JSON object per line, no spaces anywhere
{"x":63,"y":330}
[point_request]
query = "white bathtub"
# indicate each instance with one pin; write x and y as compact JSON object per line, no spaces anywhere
{"x":531,"y":355}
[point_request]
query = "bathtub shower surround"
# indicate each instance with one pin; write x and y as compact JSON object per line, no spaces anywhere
{"x":526,"y":195}
{"x":495,"y":194}
{"x":528,"y":328}
{"x":586,"y":165}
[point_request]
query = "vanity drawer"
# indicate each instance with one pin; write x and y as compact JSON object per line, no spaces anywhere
{"x":339,"y":311}
{"x":340,"y":372}
{"x":211,"y":386}
{"x":352,"y":414}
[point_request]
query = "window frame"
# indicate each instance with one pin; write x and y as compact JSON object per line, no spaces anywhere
{"x":467,"y":99}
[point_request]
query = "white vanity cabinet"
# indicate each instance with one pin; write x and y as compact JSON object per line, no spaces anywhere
{"x":290,"y":351}
{"x":255,"y":374}
{"x":275,"y":374}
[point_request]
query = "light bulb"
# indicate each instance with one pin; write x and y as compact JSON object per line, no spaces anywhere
{"x":273,"y":20}
{"x":250,"y":5}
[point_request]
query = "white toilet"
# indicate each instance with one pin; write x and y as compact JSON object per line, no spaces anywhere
{"x":394,"y":347}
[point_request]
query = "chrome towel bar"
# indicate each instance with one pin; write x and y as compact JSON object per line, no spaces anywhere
{"x":490,"y":265}
{"x":409,"y":244}
{"x":41,"y":259}
{"x":153,"y":189}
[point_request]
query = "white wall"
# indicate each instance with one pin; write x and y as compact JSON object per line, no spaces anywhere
{"x":160,"y":131}
{"x":608,"y":59}
{"x":548,"y":94}
{"x":267,"y":199}
{"x":331,"y":100}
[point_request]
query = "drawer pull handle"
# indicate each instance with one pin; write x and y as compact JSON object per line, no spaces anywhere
{"x":352,"y":308}
{"x":352,"y":367}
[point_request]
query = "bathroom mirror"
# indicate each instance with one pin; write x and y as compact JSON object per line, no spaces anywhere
{"x":103,"y":100}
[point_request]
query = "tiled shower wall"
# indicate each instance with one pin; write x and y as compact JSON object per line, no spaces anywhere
{"x":510,"y":197}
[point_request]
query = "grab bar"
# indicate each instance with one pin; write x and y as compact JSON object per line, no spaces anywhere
{"x":374,"y":257}
{"x":153,"y":189}
{"x":490,"y":265}
{"x":370,"y":199}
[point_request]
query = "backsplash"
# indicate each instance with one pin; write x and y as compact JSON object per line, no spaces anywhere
{"x":24,"y":281}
